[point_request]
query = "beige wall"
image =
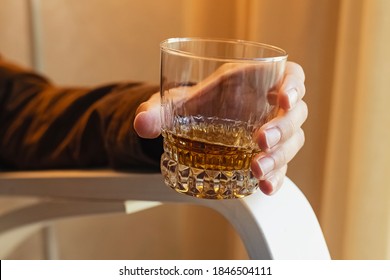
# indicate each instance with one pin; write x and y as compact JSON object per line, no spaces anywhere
{"x":88,"y":42}
{"x":15,"y":44}
{"x":97,"y":41}
{"x":15,"y":30}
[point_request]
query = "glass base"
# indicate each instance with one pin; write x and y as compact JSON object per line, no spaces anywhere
{"x":209,"y":184}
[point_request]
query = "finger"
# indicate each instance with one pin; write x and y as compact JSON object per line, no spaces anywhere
{"x":293,"y":86}
{"x":296,"y":69}
{"x":274,"y":182}
{"x":147,"y":122}
{"x":264,"y":163}
{"x":281,"y":128}
{"x":228,"y":75}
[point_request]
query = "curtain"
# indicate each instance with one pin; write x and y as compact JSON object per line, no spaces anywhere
{"x":344,"y":167}
{"x":356,"y":211}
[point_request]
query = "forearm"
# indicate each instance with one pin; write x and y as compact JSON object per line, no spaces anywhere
{"x":44,"y":126}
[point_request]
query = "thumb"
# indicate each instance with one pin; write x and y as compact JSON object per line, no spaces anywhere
{"x":147,"y":121}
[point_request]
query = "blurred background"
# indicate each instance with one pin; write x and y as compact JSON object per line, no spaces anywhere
{"x":343,"y":169}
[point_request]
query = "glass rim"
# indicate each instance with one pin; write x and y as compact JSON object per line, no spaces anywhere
{"x":164,"y":46}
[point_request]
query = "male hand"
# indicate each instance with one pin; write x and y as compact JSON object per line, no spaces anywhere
{"x":280,"y":139}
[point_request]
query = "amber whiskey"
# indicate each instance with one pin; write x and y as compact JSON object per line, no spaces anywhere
{"x":209,"y":160}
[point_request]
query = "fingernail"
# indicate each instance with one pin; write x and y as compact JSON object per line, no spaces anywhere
{"x":268,"y":186}
{"x":292,"y":97}
{"x":272,"y":136}
{"x":266,"y":165}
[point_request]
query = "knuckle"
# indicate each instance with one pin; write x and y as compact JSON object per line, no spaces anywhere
{"x":280,"y":157}
{"x":300,"y":71}
{"x":301,"y":138}
{"x":305,"y":109}
{"x":288,"y":127}
{"x":275,"y":180}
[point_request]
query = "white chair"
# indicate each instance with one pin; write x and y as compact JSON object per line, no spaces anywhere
{"x":282,"y":226}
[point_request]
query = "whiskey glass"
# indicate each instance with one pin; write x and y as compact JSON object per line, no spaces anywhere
{"x":215,"y":95}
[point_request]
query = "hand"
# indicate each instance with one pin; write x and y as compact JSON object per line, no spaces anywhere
{"x":279,"y":139}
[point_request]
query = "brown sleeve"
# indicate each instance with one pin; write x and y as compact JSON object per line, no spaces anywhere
{"x":43,"y":126}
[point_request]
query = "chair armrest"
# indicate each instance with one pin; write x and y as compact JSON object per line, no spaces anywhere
{"x":282,"y":226}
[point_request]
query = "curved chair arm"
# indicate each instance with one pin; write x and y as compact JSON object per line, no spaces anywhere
{"x":282,"y":226}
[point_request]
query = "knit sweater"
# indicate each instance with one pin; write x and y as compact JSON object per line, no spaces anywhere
{"x":45,"y":126}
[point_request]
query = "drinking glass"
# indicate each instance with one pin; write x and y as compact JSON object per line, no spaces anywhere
{"x":215,"y":95}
